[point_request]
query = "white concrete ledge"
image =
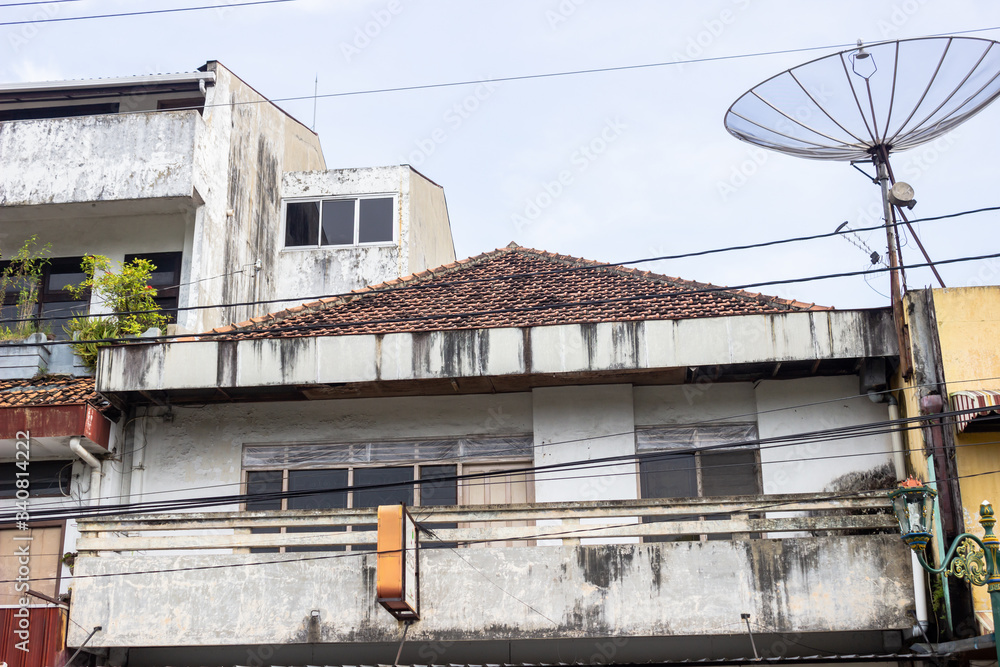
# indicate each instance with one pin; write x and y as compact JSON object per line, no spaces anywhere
{"x":571,"y":348}
{"x":628,"y":590}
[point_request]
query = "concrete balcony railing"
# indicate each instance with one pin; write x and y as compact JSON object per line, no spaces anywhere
{"x":92,"y":159}
{"x":822,"y":565}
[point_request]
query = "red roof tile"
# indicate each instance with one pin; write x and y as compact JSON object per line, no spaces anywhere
{"x":511,"y":287}
{"x":49,"y":390}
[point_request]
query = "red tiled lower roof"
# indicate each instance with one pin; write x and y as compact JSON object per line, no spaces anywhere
{"x":511,"y":287}
{"x":49,"y":390}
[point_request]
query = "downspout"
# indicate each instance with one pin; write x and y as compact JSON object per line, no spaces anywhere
{"x":95,"y":468}
{"x":899,"y":466}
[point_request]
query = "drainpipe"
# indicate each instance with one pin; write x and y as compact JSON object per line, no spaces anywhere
{"x":899,"y":466}
{"x":95,"y":468}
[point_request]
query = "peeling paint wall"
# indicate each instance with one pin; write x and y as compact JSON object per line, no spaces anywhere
{"x":636,"y":590}
{"x":241,"y":151}
{"x":97,"y":158}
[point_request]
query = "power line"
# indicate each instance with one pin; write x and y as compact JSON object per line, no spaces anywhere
{"x":534,"y":447}
{"x":530,"y":274}
{"x":140,"y":13}
{"x":823,"y":435}
{"x":36,"y":2}
{"x":572,"y":531}
{"x":269,"y":331}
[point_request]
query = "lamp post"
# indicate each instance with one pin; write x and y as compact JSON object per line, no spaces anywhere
{"x":913,"y":503}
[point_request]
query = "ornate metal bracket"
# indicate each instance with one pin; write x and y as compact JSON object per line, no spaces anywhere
{"x":969,"y":563}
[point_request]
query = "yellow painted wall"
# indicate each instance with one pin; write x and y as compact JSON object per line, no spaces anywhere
{"x":969,"y":331}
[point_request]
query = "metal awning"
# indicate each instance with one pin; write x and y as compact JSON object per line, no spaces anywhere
{"x":984,"y":404}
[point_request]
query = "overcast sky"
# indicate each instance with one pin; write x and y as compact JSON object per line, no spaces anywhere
{"x":611,"y":166}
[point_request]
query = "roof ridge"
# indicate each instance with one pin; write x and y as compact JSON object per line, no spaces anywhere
{"x":384,"y":286}
{"x":392,"y":284}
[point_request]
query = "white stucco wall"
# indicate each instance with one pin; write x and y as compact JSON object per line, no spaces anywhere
{"x":813,"y":404}
{"x":97,"y":158}
{"x":201,"y":448}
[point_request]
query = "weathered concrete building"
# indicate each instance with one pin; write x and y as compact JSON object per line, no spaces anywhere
{"x":195,"y":172}
{"x":190,"y":170}
{"x":612,"y":466}
{"x":607,"y":465}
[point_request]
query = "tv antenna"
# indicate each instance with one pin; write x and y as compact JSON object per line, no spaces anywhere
{"x":863,"y":104}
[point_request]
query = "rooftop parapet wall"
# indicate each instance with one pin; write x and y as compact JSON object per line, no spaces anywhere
{"x":98,"y":158}
{"x":571,"y":348}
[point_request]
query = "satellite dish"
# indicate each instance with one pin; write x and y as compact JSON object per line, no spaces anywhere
{"x":864,"y":103}
{"x":879,"y":98}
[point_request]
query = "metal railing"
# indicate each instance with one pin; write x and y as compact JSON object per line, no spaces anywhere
{"x":737,"y":517}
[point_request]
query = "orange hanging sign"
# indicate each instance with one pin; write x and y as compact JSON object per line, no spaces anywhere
{"x":397,"y":580}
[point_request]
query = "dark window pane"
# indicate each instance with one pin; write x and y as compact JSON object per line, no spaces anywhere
{"x":63,"y":272}
{"x":729,"y":473}
{"x":338,"y":222}
{"x":301,"y":224}
{"x":668,"y":476}
{"x":664,"y":475}
{"x":45,"y":478}
{"x":375,"y":224}
{"x":264,"y":482}
{"x":55,"y":315}
{"x":165,"y":278}
{"x":59,"y":112}
{"x":331,"y":488}
{"x":438,"y":493}
{"x":392,"y":495}
{"x":441,"y":492}
{"x":260,"y":483}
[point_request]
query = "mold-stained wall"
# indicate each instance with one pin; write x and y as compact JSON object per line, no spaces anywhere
{"x":240,"y":157}
{"x":422,"y":234}
{"x":788,"y":407}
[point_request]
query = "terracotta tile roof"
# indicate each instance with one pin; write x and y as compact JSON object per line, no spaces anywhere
{"x":510,"y":287}
{"x":49,"y":390}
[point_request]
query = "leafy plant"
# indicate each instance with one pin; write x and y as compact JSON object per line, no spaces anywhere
{"x":128,"y":295}
{"x":24,"y":275}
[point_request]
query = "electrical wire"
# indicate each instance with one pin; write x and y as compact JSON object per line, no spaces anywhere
{"x":57,"y":19}
{"x":536,"y":446}
{"x":823,"y":435}
{"x":305,"y":328}
{"x":547,"y":272}
{"x":572,"y":531}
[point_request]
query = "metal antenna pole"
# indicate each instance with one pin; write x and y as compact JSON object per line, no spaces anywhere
{"x":881,"y":160}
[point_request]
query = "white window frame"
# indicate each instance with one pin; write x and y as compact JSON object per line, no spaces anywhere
{"x":357,"y":220}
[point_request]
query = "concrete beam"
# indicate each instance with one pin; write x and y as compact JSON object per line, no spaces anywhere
{"x":551,"y":350}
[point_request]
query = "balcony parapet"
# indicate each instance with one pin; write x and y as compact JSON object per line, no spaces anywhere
{"x":90,"y":159}
{"x":193,"y":581}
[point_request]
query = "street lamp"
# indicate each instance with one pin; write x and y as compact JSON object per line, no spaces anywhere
{"x":913,"y":503}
